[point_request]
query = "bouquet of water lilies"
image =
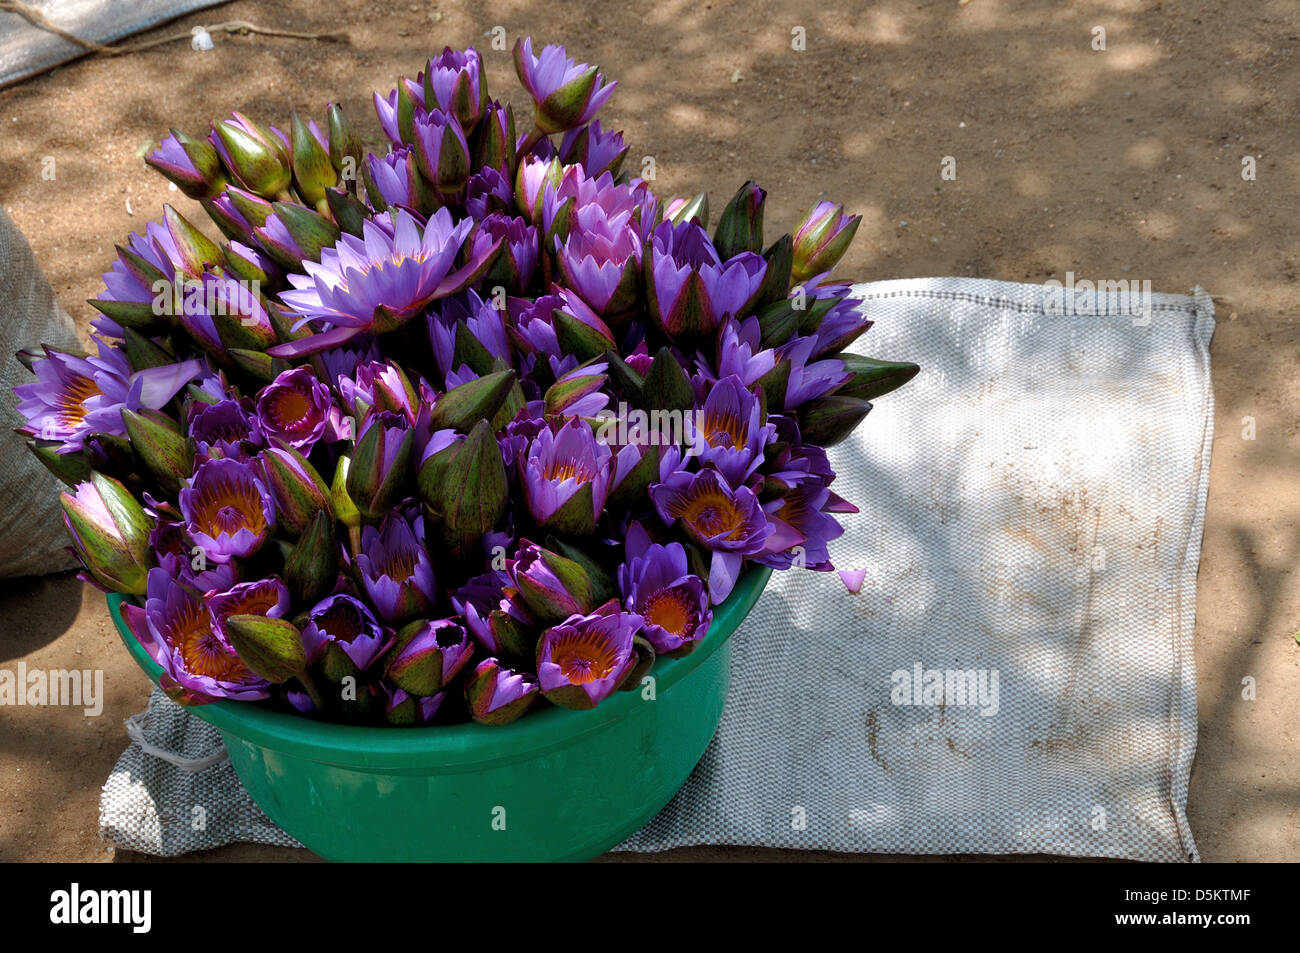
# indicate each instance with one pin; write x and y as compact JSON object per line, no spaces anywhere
{"x":442,"y":431}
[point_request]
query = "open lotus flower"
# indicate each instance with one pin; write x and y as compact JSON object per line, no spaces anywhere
{"x":343,"y":622}
{"x":227,"y":509}
{"x":821,"y":240}
{"x":727,"y":432}
{"x":73,"y":396}
{"x":690,"y":290}
{"x":295,"y":408}
{"x":110,"y":533}
{"x":806,"y":509}
{"x":730,"y":523}
{"x":657,"y":584}
{"x":582,"y":660}
{"x":266,"y":597}
{"x":428,"y":656}
{"x":380,"y":281}
{"x":497,"y":695}
{"x":566,"y":477}
{"x":395,"y":568}
{"x":565,"y":94}
{"x":176,"y":630}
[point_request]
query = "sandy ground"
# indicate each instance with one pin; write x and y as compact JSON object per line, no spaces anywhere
{"x":1118,"y":163}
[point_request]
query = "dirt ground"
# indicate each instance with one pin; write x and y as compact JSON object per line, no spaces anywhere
{"x":1114,"y":163}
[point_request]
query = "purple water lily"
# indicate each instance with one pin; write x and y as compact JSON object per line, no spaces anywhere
{"x":803,"y":509}
{"x":344,"y":621}
{"x":594,"y":149}
{"x":582,"y":660}
{"x":75,"y":396}
{"x":657,"y":584}
{"x":395,"y":568}
{"x":398,"y":180}
{"x":454,"y":82}
{"x":492,"y":610}
{"x":727,"y":432}
{"x":561,"y":464}
{"x":441,"y":150}
{"x":497,"y":695}
{"x":380,"y":281}
{"x":730,"y":523}
{"x":690,"y":290}
{"x":228,"y":511}
{"x":295,"y":408}
{"x":228,"y":428}
{"x":266,"y":597}
{"x":182,"y":560}
{"x":601,"y":260}
{"x":176,"y":630}
{"x":565,"y":93}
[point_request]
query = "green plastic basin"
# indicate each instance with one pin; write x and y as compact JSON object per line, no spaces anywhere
{"x":556,"y":785}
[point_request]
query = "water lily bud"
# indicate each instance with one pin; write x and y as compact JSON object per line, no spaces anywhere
{"x":497,"y":695}
{"x":70,"y":468}
{"x":821,"y":240}
{"x":381,"y":463}
{"x":313,"y":172}
{"x":684,"y":210}
{"x":873,"y":378}
{"x":197,"y":251}
{"x":257,"y":157}
{"x":296,"y":233}
{"x":441,"y":151}
{"x":475,"y":489}
{"x":828,"y":420}
{"x":158,"y":442}
{"x":295,"y":485}
{"x":740,"y":227}
{"x":271,"y":648}
{"x":344,"y":145}
{"x":311,"y":567}
{"x":496,"y":141}
{"x":428,"y":655}
{"x":666,"y":385}
{"x":454,"y":82}
{"x":110,"y":533}
{"x":479,"y":399}
{"x":192,"y":164}
{"x":552,"y":586}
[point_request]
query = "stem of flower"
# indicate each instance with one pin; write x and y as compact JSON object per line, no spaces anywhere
{"x":309,"y":684}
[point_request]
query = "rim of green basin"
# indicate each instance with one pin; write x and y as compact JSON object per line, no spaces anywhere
{"x":366,"y":746}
